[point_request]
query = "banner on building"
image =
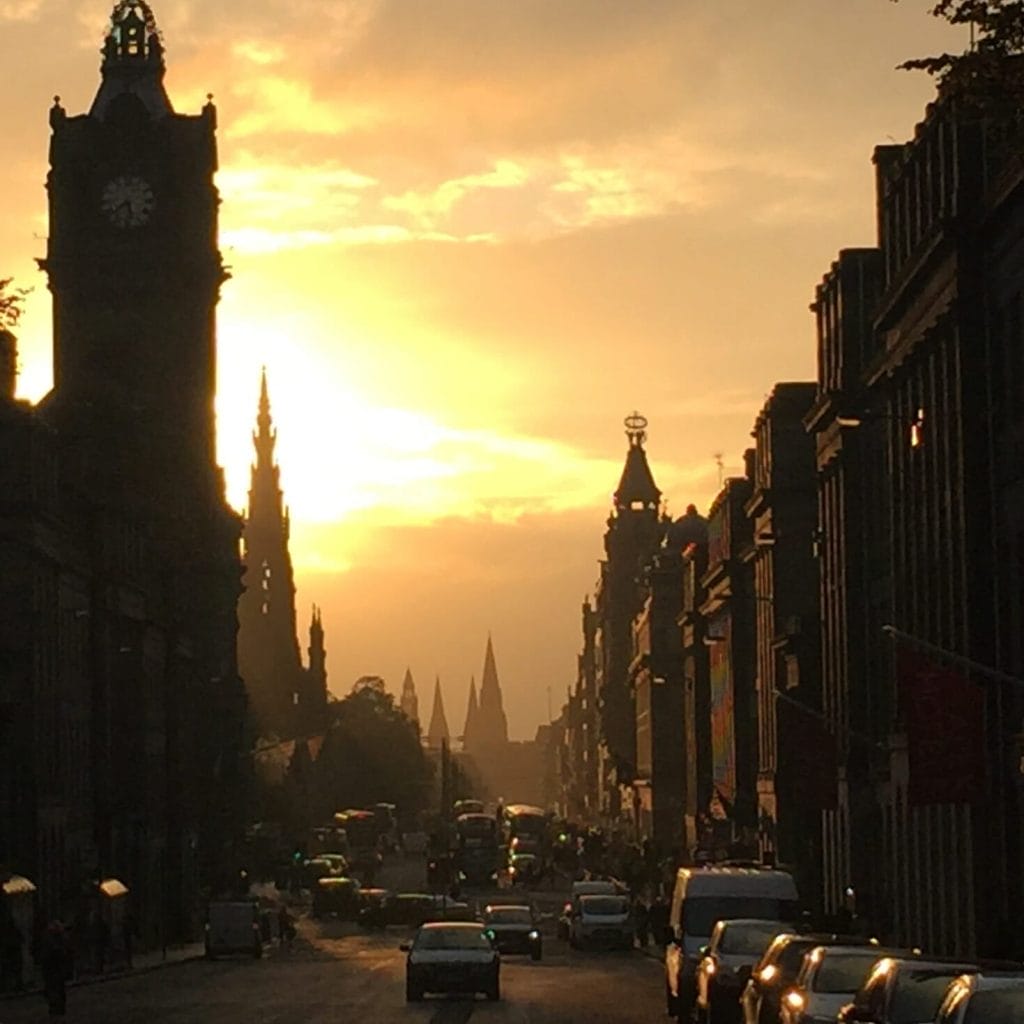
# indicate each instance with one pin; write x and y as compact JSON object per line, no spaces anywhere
{"x":944,"y":714}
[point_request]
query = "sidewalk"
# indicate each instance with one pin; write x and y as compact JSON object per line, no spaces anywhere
{"x":141,"y":964}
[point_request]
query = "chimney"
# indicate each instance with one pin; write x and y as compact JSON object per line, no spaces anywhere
{"x":750,"y":462}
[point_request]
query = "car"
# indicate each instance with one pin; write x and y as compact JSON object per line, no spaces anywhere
{"x":777,"y":971}
{"x":700,"y":898}
{"x":727,"y":964}
{"x":513,"y":928}
{"x":983,"y":999}
{"x":452,"y":956}
{"x":602,"y":921}
{"x":524,"y":868}
{"x":902,"y":989}
{"x":589,"y":887}
{"x":827,"y":980}
{"x":336,"y":896}
{"x":406,"y":908}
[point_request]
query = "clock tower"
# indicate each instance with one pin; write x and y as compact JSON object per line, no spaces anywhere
{"x":135,"y":273}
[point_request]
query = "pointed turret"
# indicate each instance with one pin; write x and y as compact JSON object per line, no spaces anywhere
{"x":133,"y":66}
{"x":410,"y":703}
{"x":438,"y":731}
{"x":472,"y":713}
{"x":312,"y":705}
{"x":268,"y":646}
{"x":637,"y":489}
{"x":491,"y":727}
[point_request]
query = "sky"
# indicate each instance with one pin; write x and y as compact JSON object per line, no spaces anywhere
{"x":467,"y":238}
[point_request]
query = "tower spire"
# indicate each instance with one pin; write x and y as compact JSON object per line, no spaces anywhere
{"x":472,"y":713}
{"x":491,"y":726}
{"x":133,"y":65}
{"x":637,"y":490}
{"x":410,"y":703}
{"x":438,"y":731}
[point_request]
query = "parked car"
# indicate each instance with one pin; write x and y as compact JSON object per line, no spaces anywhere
{"x":704,"y":896}
{"x":514,"y":929}
{"x":983,"y":999}
{"x":233,"y":926}
{"x":451,"y":957}
{"x":828,"y":979}
{"x":777,"y":971}
{"x":337,"y":897}
{"x":900,"y":990}
{"x":602,"y":921}
{"x":727,"y":965}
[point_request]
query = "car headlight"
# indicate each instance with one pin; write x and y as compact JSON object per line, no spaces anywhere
{"x":534,"y":935}
{"x":794,"y":1000}
{"x":767,"y":974}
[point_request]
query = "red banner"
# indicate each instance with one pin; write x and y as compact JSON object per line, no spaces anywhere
{"x":945,"y":720}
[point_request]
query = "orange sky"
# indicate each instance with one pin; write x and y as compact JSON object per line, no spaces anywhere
{"x":467,"y":237}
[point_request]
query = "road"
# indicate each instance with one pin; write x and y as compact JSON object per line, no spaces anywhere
{"x":336,"y":973}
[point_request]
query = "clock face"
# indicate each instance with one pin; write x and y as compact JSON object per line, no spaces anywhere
{"x":128,"y":201}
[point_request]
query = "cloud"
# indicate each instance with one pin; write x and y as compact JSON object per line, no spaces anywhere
{"x":20,"y":10}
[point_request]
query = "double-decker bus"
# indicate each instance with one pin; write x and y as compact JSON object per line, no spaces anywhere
{"x":476,"y":848}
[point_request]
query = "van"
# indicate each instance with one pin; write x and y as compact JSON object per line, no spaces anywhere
{"x":234,"y":926}
{"x":703,"y":896}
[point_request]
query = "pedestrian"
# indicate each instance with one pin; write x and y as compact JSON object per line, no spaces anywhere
{"x":658,"y":919}
{"x":641,"y":922}
{"x":285,"y":926}
{"x":55,"y":960}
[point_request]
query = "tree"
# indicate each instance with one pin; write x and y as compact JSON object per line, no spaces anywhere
{"x":990,"y":72}
{"x":372,"y":754}
{"x":12,"y":303}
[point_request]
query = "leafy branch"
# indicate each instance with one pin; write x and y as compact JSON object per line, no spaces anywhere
{"x":12,"y":303}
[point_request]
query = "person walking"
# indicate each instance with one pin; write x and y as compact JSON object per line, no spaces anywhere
{"x":55,"y":961}
{"x":641,"y":922}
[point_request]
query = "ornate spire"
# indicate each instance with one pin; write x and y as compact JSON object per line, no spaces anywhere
{"x":438,"y":731}
{"x":491,"y":726}
{"x":133,"y":65}
{"x":410,"y":703}
{"x":472,"y":713}
{"x":637,"y":490}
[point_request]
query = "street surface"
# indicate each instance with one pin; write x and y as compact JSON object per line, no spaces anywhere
{"x":335,"y":972}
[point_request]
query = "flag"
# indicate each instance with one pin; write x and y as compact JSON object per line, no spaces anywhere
{"x":944,"y":714}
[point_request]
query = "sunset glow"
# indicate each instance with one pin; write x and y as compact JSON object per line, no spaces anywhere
{"x":466,"y":239}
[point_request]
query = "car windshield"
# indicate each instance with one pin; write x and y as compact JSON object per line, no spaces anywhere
{"x":452,"y":938}
{"x":749,"y":938}
{"x":510,"y":915}
{"x":701,"y":912}
{"x":604,"y":905}
{"x":843,"y":972}
{"x":918,"y":994}
{"x":999,"y":1006}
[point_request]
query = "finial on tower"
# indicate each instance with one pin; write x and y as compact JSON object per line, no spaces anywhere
{"x":636,"y":429}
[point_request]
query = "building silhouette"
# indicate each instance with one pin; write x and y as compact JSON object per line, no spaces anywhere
{"x":409,"y":702}
{"x":490,"y":727}
{"x":286,"y":699}
{"x":634,"y":532}
{"x":472,"y":715}
{"x":120,"y":568}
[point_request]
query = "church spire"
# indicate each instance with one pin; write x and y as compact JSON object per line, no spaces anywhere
{"x":410,"y":703}
{"x":491,"y":726}
{"x":438,"y":731}
{"x":472,"y":713}
{"x":133,"y":65}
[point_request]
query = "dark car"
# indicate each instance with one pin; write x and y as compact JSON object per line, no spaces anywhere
{"x":371,"y":907}
{"x":336,"y":896}
{"x":407,"y":908}
{"x":452,"y":956}
{"x":514,"y":929}
{"x":903,"y":991}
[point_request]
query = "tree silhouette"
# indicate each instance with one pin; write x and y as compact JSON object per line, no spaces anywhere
{"x":12,"y":303}
{"x":372,"y":754}
{"x":990,"y":71}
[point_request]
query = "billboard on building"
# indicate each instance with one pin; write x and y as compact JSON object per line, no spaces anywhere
{"x":723,"y":740}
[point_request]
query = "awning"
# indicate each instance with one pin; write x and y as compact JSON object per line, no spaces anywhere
{"x":112,"y":887}
{"x":15,"y":885}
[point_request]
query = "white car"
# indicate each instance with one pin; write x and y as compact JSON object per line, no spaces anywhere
{"x":451,"y":956}
{"x":601,"y":921}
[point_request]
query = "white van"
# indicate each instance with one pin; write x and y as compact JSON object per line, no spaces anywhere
{"x":703,"y":896}
{"x":233,"y":926}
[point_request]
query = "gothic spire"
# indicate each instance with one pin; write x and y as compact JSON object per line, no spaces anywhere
{"x":410,"y":703}
{"x":637,"y":489}
{"x":491,"y":727}
{"x":472,"y":713}
{"x":438,"y":731}
{"x":133,"y":66}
